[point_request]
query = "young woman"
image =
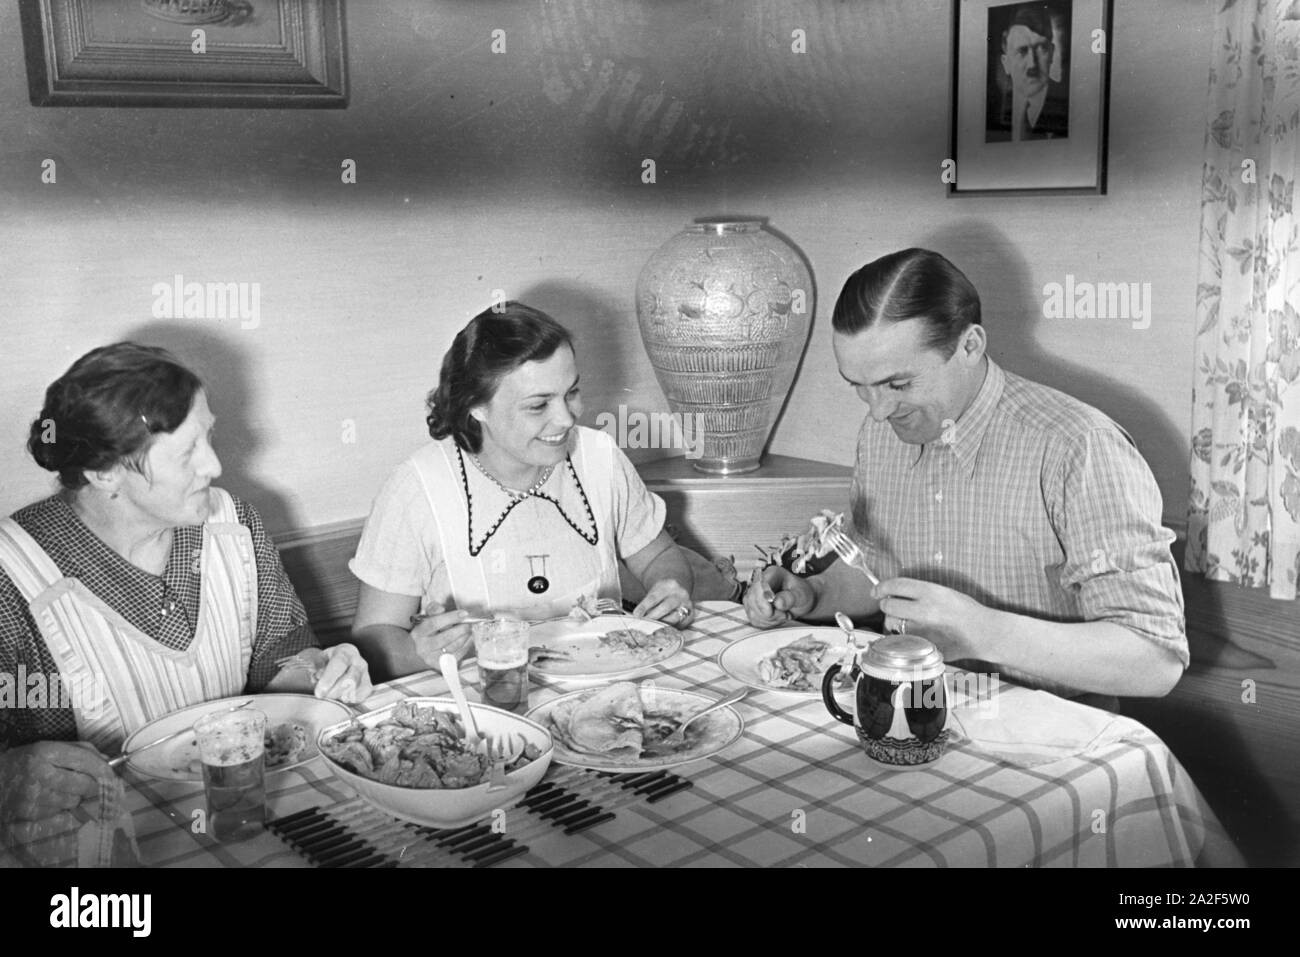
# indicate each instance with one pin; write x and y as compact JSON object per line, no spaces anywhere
{"x":513,"y":507}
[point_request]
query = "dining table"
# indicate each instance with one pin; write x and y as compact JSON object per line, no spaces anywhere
{"x":796,"y":789}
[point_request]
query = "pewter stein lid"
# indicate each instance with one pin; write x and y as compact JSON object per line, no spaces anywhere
{"x":721,"y":225}
{"x":902,"y":658}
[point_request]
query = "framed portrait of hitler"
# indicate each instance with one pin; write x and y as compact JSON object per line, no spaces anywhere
{"x":1030,"y":94}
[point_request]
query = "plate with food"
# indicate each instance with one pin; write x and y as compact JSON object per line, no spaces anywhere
{"x":791,"y":660}
{"x":606,"y":648}
{"x":292,"y":723}
{"x":412,"y":759}
{"x":625,"y":727}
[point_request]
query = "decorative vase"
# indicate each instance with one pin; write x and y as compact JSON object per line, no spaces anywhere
{"x":724,"y":309}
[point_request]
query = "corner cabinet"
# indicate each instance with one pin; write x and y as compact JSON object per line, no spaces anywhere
{"x":727,"y":515}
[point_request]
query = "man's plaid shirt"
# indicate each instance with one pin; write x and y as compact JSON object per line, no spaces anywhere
{"x":1034,"y":503}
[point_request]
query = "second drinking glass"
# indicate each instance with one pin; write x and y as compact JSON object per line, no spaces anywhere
{"x":502,"y":649}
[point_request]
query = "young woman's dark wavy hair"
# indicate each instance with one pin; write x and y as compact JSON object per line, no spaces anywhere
{"x":494,"y":343}
{"x":910,"y":284}
{"x":106,"y":409}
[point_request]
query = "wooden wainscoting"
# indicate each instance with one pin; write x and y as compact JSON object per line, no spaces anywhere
{"x":727,"y":515}
{"x":317,"y":563}
{"x":1234,"y":718}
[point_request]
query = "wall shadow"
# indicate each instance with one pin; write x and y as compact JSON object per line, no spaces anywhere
{"x":606,"y":337}
{"x":232,"y":392}
{"x":814,"y":304}
{"x":1013,"y":310}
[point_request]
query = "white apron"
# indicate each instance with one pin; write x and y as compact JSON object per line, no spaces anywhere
{"x":495,"y":580}
{"x":118,"y":678}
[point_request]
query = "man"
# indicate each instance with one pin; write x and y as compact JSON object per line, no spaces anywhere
{"x":1009,"y":523}
{"x":1039,"y":107}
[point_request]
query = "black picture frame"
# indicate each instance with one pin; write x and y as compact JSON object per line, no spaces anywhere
{"x":1060,"y":145}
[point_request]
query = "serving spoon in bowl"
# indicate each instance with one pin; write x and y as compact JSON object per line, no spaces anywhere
{"x":450,"y":669}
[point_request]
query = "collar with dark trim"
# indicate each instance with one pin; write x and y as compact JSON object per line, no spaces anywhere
{"x":488,"y":505}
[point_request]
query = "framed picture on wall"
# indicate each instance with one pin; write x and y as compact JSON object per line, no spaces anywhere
{"x":1030,"y":94}
{"x":233,"y":53}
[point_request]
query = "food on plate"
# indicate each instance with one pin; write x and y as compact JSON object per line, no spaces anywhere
{"x":417,"y":747}
{"x":614,"y":722}
{"x":641,"y":646}
{"x":608,"y":720}
{"x":540,"y":653}
{"x":186,"y":760}
{"x":638,"y":644}
{"x":584,"y":609}
{"x":285,"y":744}
{"x":799,"y":666}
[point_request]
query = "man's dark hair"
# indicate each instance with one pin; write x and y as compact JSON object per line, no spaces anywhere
{"x":1035,"y":16}
{"x":910,"y":284}
{"x":494,"y":343}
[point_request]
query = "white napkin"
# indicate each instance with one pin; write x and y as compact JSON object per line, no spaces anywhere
{"x":1029,"y":728}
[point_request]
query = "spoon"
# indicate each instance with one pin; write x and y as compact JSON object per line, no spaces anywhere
{"x":450,"y":669}
{"x":846,"y":624}
{"x":850,"y":657}
{"x":678,"y":736}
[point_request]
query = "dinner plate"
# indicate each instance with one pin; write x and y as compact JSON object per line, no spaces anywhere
{"x":179,"y":760}
{"x":740,"y":658}
{"x":591,"y":660}
{"x":722,"y":728}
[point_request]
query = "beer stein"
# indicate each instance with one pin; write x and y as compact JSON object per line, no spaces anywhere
{"x":900,"y":698}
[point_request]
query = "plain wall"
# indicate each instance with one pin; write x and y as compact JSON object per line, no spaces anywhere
{"x":521,"y":171}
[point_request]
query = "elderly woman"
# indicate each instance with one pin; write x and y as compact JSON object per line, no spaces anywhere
{"x":513,"y":507}
{"x":139,"y":588}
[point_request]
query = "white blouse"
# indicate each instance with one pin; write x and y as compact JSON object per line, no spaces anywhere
{"x":442,"y":531}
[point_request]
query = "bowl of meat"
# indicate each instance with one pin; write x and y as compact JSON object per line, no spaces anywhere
{"x":412,"y":760}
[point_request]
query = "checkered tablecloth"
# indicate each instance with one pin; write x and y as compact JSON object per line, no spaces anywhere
{"x":797,"y":790}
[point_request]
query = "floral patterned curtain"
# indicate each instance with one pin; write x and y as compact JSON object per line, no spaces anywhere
{"x":1244,"y":513}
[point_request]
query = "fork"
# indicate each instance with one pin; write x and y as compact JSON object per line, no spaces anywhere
{"x":294,"y":663}
{"x":176,"y":735}
{"x":679,"y":734}
{"x":604,"y":606}
{"x":850,"y":554}
{"x":502,"y":750}
{"x":609,"y":606}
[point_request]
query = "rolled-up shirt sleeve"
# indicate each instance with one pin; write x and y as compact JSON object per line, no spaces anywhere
{"x":1118,"y":565}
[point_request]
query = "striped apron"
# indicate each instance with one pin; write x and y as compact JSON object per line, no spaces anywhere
{"x":118,"y":678}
